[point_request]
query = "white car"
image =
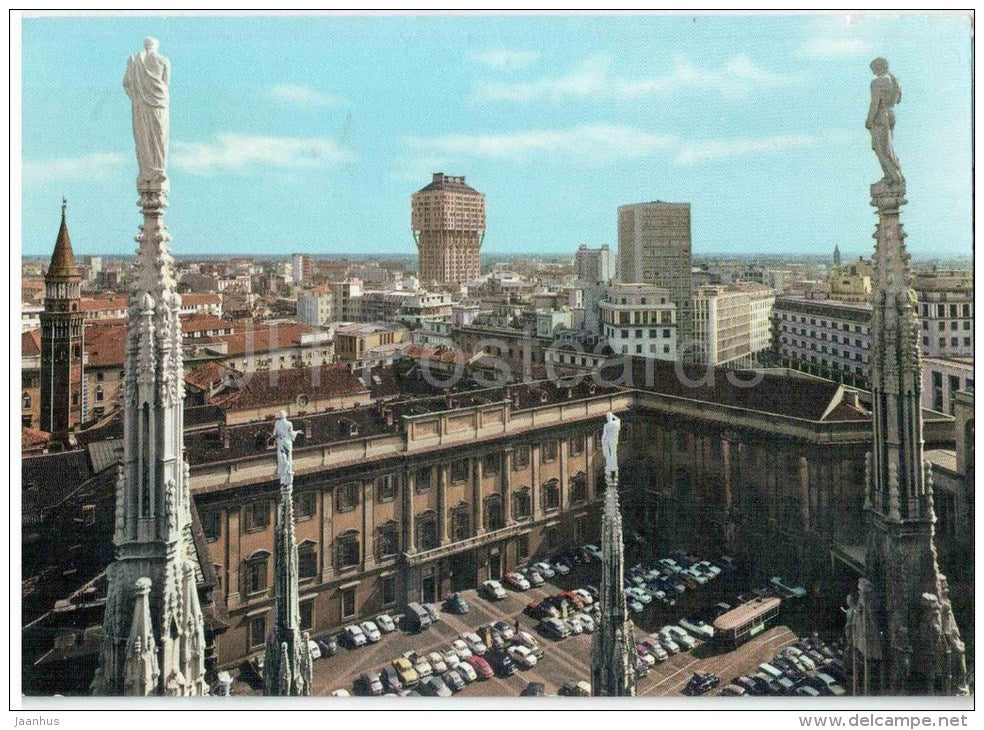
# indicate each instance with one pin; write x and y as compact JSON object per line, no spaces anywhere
{"x":656,"y":649}
{"x":668,"y":565}
{"x":340,"y":693}
{"x":523,"y":656}
{"x":666,"y":641}
{"x":371,"y":631}
{"x":587,"y":622}
{"x":526,"y":639}
{"x":560,"y":568}
{"x":692,"y":572}
{"x":518,"y":581}
{"x":698,"y":628}
{"x":494,"y":589}
{"x":420,"y":664}
{"x":680,"y":636}
{"x":354,"y":635}
{"x":786,"y":589}
{"x":461,"y":649}
{"x":709,"y":566}
{"x":634,"y":605}
{"x":639,"y":594}
{"x":544,"y":569}
{"x":585,"y":597}
{"x":385,"y":623}
{"x":467,"y":672}
{"x":450,"y":658}
{"x":575,"y":625}
{"x":593,"y":550}
{"x":474,"y":643}
{"x":647,"y":657}
{"x":314,"y":649}
{"x":797,"y":655}
{"x":437,"y":662}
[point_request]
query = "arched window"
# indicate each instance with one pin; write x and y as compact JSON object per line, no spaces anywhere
{"x":492,"y":511}
{"x":461,"y":522}
{"x":579,"y":488}
{"x":255,"y":572}
{"x":551,"y":495}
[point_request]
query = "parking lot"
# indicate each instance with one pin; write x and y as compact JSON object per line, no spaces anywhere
{"x":567,"y":659}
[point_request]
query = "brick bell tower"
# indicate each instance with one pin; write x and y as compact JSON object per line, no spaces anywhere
{"x":62,"y":339}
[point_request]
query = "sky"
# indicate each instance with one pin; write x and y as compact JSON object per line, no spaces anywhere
{"x":311,"y":133}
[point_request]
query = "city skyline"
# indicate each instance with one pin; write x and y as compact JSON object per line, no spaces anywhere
{"x":515,"y":116}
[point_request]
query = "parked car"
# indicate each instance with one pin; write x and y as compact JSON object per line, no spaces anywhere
{"x":698,"y":628}
{"x":533,"y":689}
{"x":453,"y":680}
{"x":560,"y":567}
{"x":544,"y":569}
{"x":575,"y":689}
{"x":328,"y":645}
{"x":340,"y":693}
{"x":666,"y":641}
{"x":832,"y":684}
{"x":466,"y":671}
{"x":390,"y":678}
{"x":434,"y":611}
{"x":517,"y":581}
{"x":587,"y":622}
{"x":456,"y":603}
{"x":554,"y":628}
{"x":417,"y":618}
{"x":639,"y":595}
{"x":748,"y":685}
{"x":450,"y":658}
{"x":586,"y":598}
{"x":371,"y":631}
{"x":733,"y":690}
{"x":773,"y":671}
{"x":420,"y":664}
{"x":680,"y":636}
{"x":700,"y":683}
{"x":369,"y":683}
{"x":493,"y":589}
{"x":385,"y":623}
{"x":504,"y":629}
{"x":574,"y":624}
{"x":474,"y":643}
{"x":534,"y":577}
{"x":461,"y":648}
{"x":405,"y":671}
{"x":314,"y":649}
{"x":434,"y":687}
{"x":642,"y":651}
{"x":437,"y":662}
{"x":806,"y":690}
{"x":641,"y":668}
{"x":482,"y":668}
{"x":633,"y":605}
{"x":526,"y":639}
{"x":354,"y":635}
{"x":593,"y":550}
{"x":785,"y":589}
{"x":656,"y":649}
{"x":522,"y":656}
{"x":593,"y":591}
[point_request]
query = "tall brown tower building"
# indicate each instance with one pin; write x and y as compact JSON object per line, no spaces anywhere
{"x":61,"y":339}
{"x":448,"y":222}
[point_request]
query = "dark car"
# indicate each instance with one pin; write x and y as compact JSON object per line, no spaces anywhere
{"x":542,"y":610}
{"x":762,"y":686}
{"x":453,"y":680}
{"x":534,"y":577}
{"x":787,"y":666}
{"x":502,"y":663}
{"x":456,"y":603}
{"x":835,"y":668}
{"x":328,"y":645}
{"x":533,"y":689}
{"x":369,"y":684}
{"x":641,"y":669}
{"x":391,"y":680}
{"x":434,"y":687}
{"x":572,"y":689}
{"x":816,"y":683}
{"x":700,"y":683}
{"x":748,"y":685}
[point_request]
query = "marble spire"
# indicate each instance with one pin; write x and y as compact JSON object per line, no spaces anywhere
{"x":154,"y":641}
{"x":613,"y":644}
{"x":287,"y":665}
{"x":900,"y":627}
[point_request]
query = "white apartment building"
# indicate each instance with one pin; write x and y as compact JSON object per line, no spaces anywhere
{"x":640,"y":319}
{"x":732,"y":325}
{"x":315,"y":307}
{"x":943,"y":378}
{"x":946,"y":307}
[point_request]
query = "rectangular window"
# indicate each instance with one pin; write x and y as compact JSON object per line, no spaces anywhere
{"x":307,"y":615}
{"x":348,"y":603}
{"x":348,"y":551}
{"x":256,"y":516}
{"x":256,"y":575}
{"x":307,"y":561}
{"x":389,"y":541}
{"x":306,"y":505}
{"x":386,"y":488}
{"x":347,"y":497}
{"x":88,"y":514}
{"x":575,"y":446}
{"x":522,"y":547}
{"x":211,"y":524}
{"x":422,"y":479}
{"x":459,"y":471}
{"x":490,"y":464}
{"x":388,"y":590}
{"x":548,"y":452}
{"x":521,"y":458}
{"x":257,"y":631}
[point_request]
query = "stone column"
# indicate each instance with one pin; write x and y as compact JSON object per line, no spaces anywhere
{"x":327,"y":535}
{"x":505,"y":483}
{"x":565,"y":497}
{"x":477,"y":471}
{"x":535,"y":486}
{"x":368,"y":526}
{"x":804,"y":483}
{"x":443,"y":476}
{"x":409,"y":481}
{"x":234,"y":558}
{"x":589,"y":445}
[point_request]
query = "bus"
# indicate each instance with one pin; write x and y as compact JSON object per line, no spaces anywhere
{"x":747,"y":620}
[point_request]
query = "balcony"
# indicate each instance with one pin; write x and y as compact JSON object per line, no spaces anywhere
{"x":453,"y":548}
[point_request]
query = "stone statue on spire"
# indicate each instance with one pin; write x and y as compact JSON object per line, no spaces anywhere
{"x":609,"y":446}
{"x":284,"y":434}
{"x":885,"y":94}
{"x":146,"y":82}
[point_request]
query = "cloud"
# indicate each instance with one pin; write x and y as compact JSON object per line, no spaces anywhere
{"x":237,"y":152}
{"x":305,"y":96}
{"x":87,"y":167}
{"x":505,"y":59}
{"x":593,"y":79}
{"x":830,"y":47}
{"x":606,"y":142}
{"x":830,"y":36}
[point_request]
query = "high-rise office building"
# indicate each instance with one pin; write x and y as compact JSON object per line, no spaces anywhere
{"x":448,"y":221}
{"x":594,"y":265}
{"x":302,"y":268}
{"x":654,"y":248}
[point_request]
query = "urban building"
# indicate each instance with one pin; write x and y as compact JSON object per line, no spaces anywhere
{"x":412,"y":308}
{"x":448,"y":221}
{"x":943,"y":378}
{"x":594,"y":265}
{"x":654,"y":247}
{"x":640,"y":319}
{"x":946,"y":307}
{"x":316,"y":306}
{"x":62,"y":338}
{"x":301,"y":268}
{"x":356,"y":341}
{"x":732,"y":325}
{"x":851,"y":282}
